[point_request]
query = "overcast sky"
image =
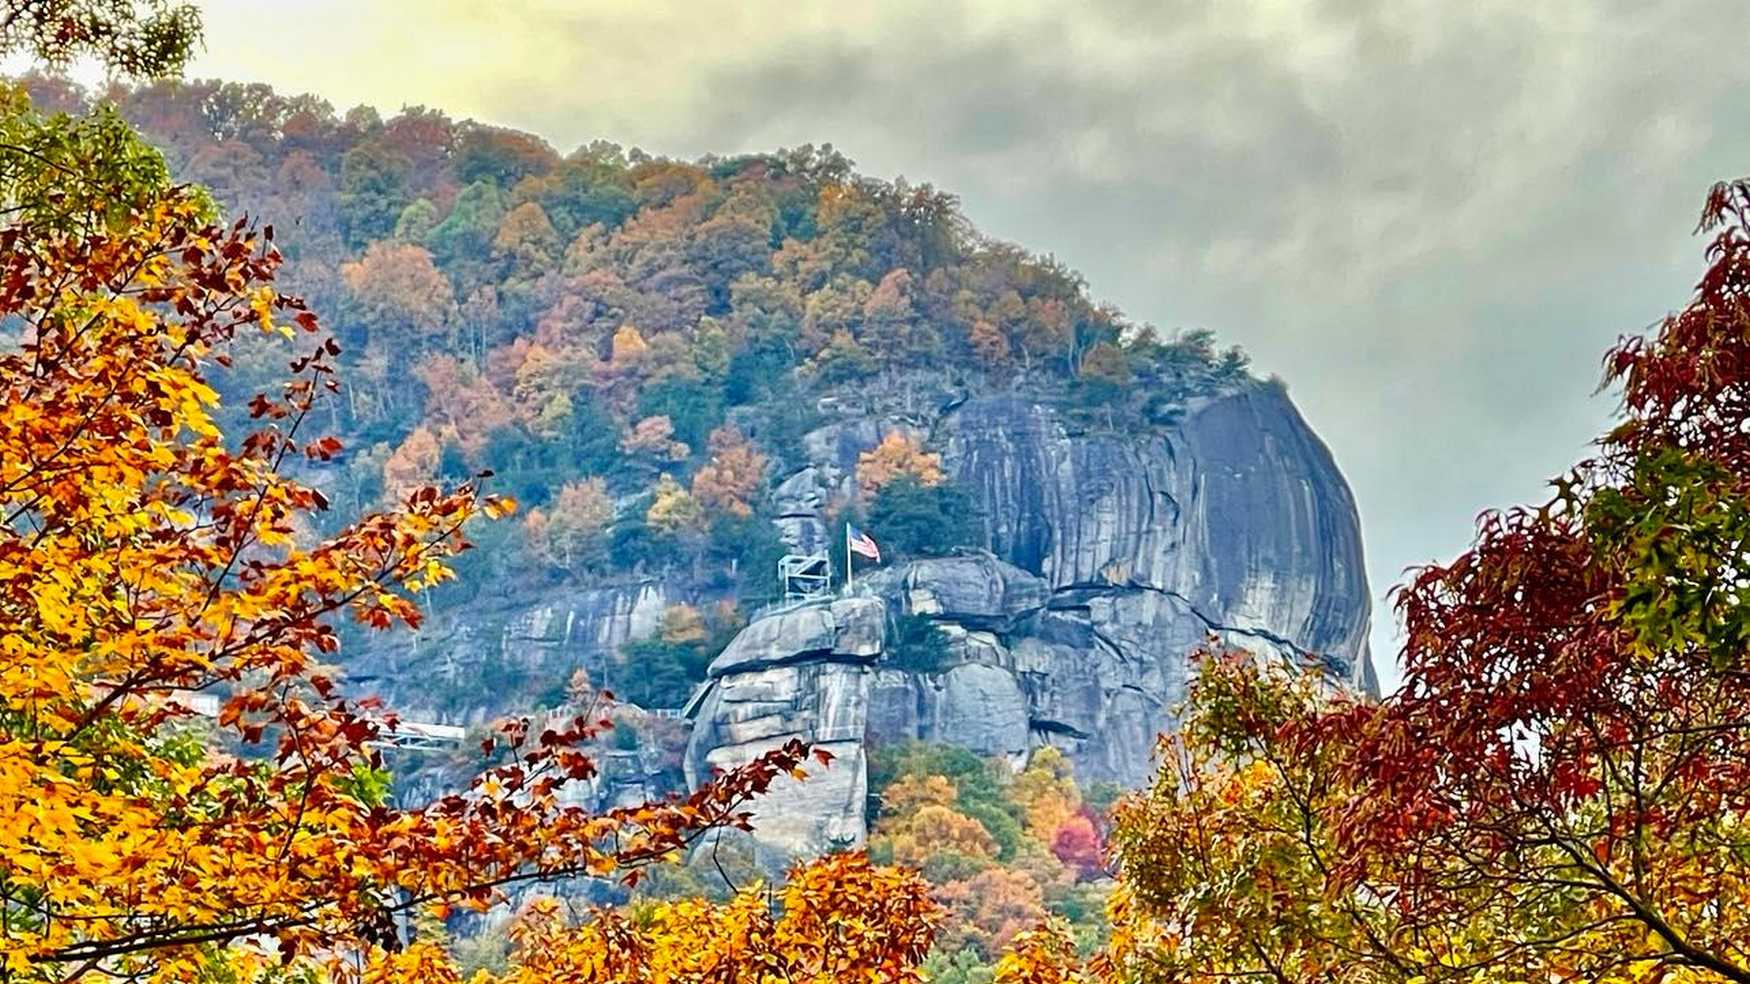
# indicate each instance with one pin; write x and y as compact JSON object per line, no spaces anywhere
{"x":1429,"y":216}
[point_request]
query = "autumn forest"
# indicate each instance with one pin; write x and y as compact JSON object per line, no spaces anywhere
{"x":631,"y":344}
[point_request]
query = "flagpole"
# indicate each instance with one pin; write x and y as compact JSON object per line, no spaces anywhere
{"x":848,"y":574}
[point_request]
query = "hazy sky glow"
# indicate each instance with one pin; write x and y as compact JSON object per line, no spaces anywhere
{"x":1429,"y":217}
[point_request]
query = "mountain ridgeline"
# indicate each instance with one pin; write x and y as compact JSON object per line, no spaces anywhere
{"x":686,"y":369}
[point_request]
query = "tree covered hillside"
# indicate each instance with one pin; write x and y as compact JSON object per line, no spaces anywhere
{"x":504,"y":305}
{"x":636,"y":345}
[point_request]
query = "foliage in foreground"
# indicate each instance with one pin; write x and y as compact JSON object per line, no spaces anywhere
{"x":837,"y":919}
{"x":141,"y":38}
{"x":147,"y":561}
{"x":1559,"y":792}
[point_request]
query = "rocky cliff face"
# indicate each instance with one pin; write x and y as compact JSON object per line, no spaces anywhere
{"x":1107,"y":556}
{"x":1111,"y":557}
{"x":470,"y":666}
{"x":1238,"y":518}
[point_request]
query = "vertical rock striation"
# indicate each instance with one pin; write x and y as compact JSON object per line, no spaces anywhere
{"x":512,"y":652}
{"x":1111,"y":557}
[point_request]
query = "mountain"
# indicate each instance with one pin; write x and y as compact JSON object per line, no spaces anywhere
{"x":685,"y":370}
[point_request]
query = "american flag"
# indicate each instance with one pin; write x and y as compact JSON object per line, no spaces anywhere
{"x":860,"y":542}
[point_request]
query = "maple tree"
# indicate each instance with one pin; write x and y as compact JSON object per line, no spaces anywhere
{"x":400,"y":297}
{"x":629,"y":348}
{"x":899,"y":455}
{"x":1575,"y":727}
{"x":414,"y":463}
{"x":1036,"y":327}
{"x":735,"y":473}
{"x":988,"y":910}
{"x":1227,"y":861}
{"x":1076,"y":843}
{"x":504,"y":156}
{"x":653,"y":437}
{"x":543,"y":382}
{"x":672,"y":508}
{"x":572,"y":527}
{"x":891,"y":325}
{"x":146,"y":562}
{"x":1044,"y":954}
{"x":527,"y":239}
{"x":929,"y":831}
{"x":1558,"y":790}
{"x":912,"y":791}
{"x":1046,"y":790}
{"x":969,"y":826}
{"x":461,"y":408}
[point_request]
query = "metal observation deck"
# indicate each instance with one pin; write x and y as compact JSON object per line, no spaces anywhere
{"x":805,"y":576}
{"x":804,"y":580}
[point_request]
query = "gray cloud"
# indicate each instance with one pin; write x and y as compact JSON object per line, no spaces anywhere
{"x":1430,"y":217}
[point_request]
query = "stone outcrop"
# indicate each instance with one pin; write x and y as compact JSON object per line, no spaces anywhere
{"x":977,"y":591}
{"x":801,"y":673}
{"x":1112,"y":556}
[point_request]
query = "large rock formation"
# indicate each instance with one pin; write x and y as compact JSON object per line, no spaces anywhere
{"x":1107,"y":555}
{"x":799,"y":673}
{"x":1112,"y":556}
{"x":1238,"y":514}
